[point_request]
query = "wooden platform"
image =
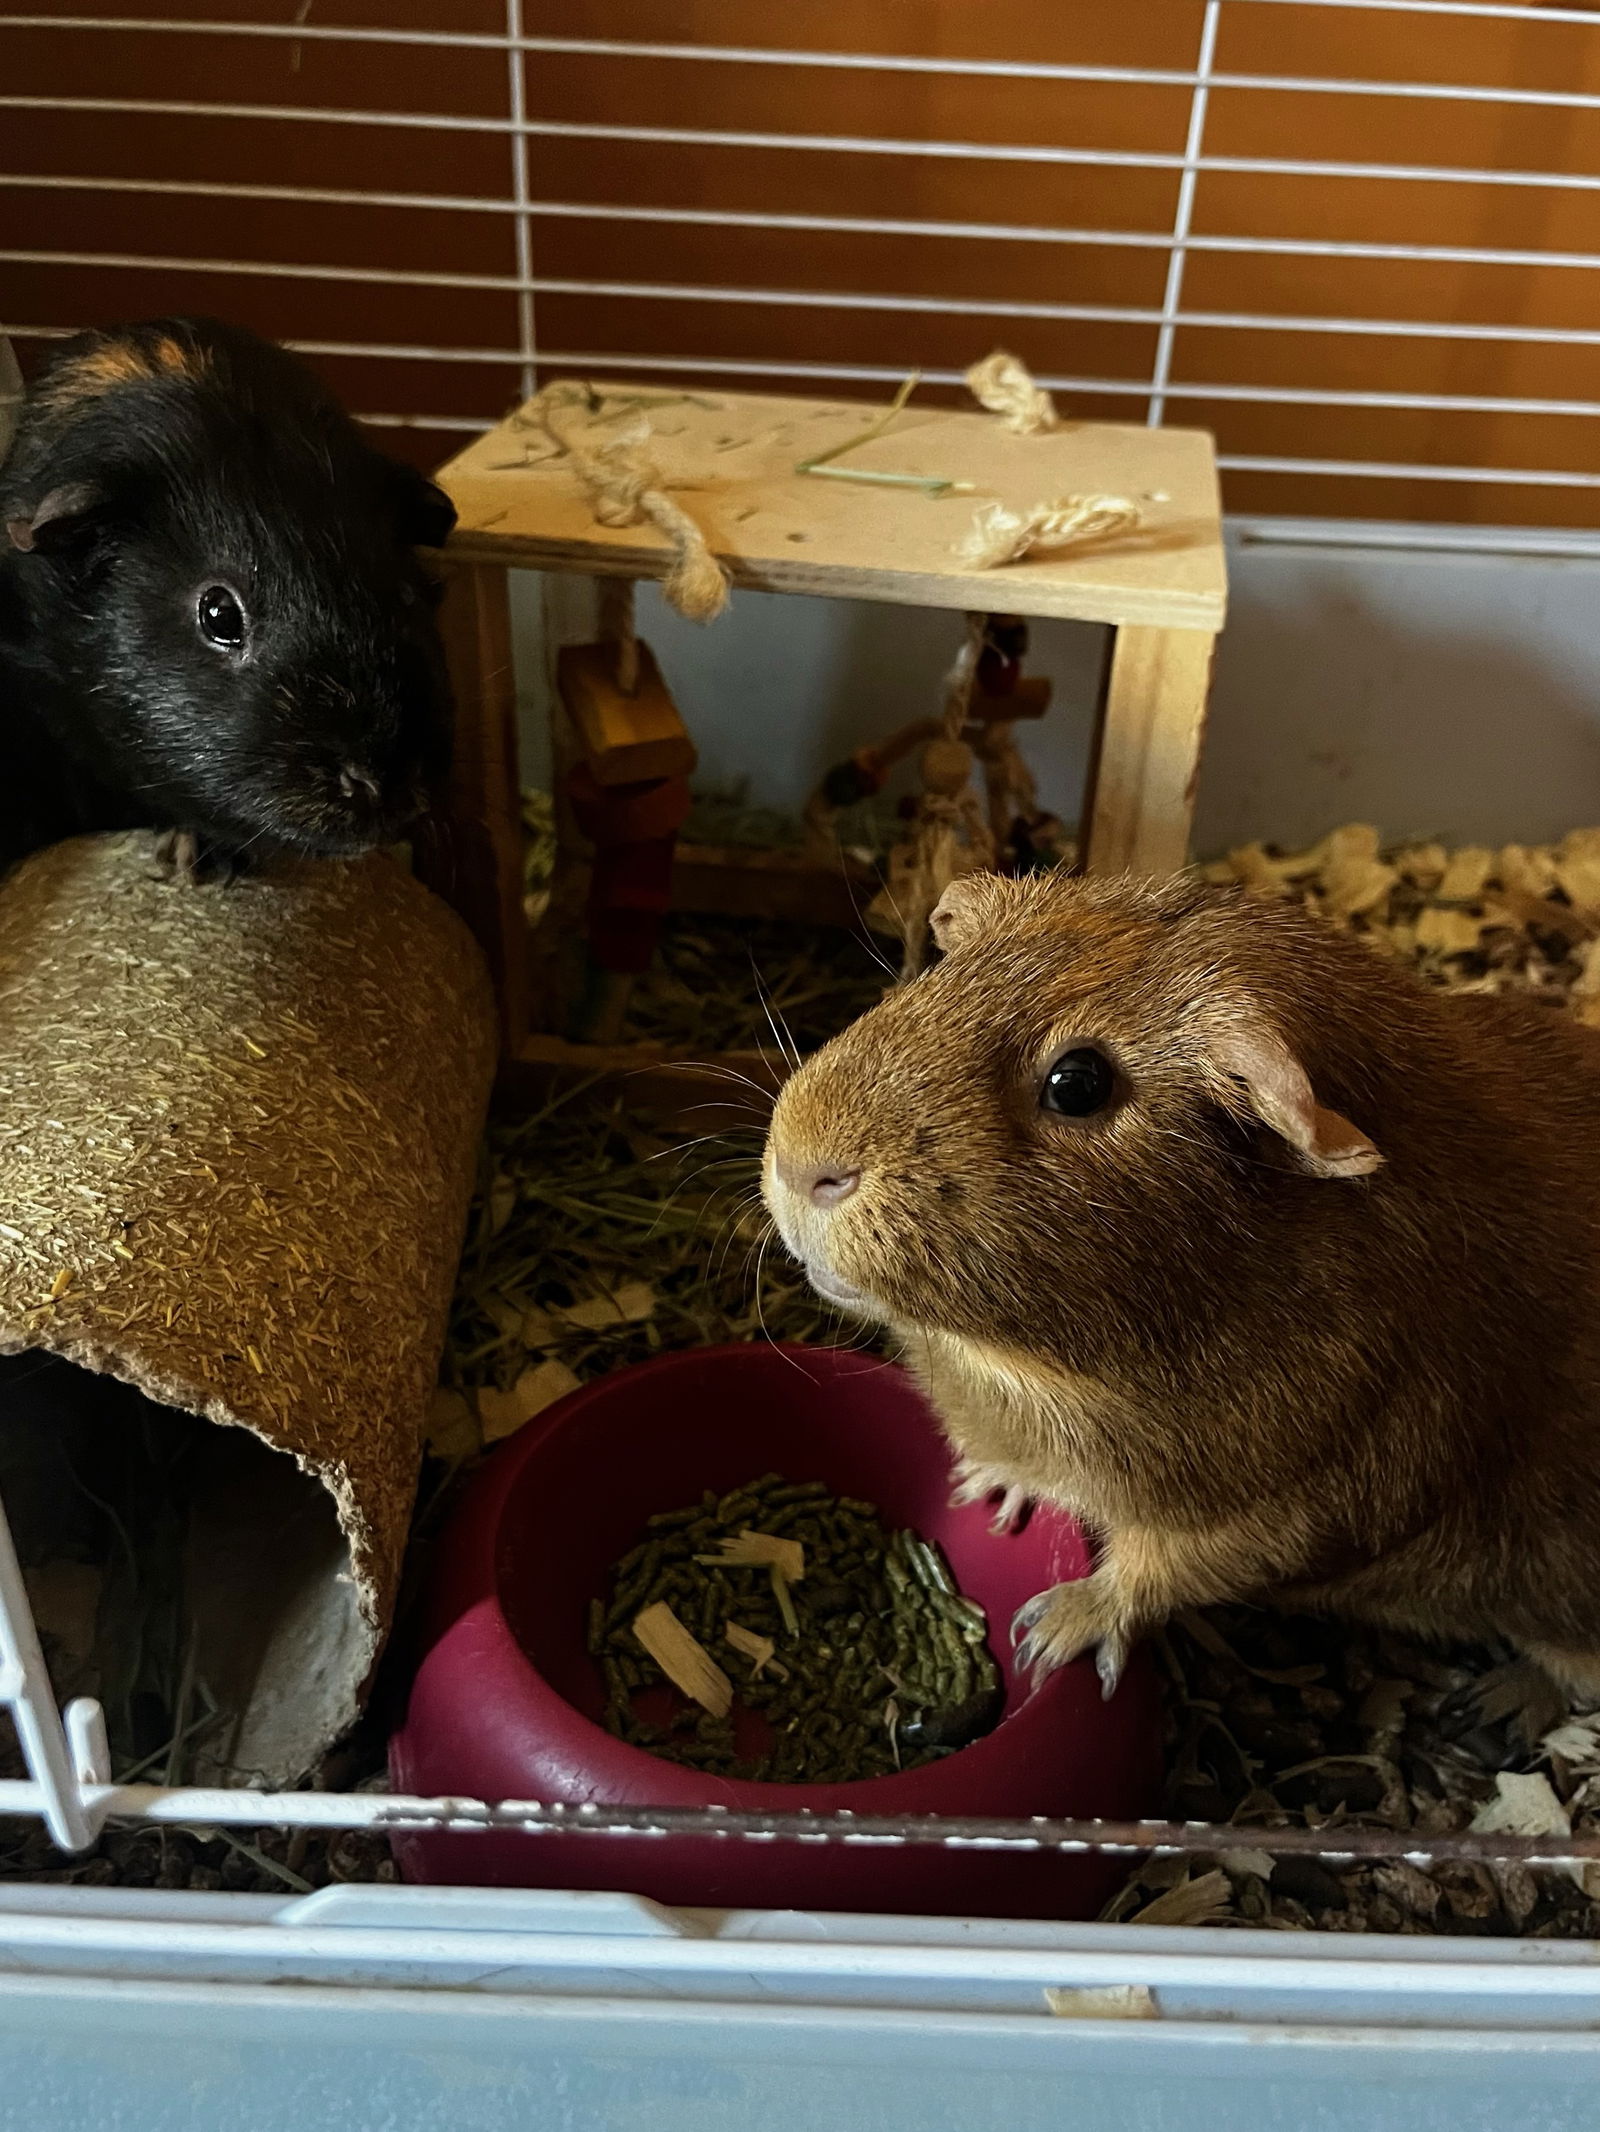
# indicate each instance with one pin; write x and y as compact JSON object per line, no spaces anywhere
{"x":731,"y":458}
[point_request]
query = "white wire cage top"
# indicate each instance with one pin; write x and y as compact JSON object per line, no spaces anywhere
{"x":509,"y":197}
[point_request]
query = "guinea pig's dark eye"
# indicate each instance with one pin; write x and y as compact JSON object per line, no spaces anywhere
{"x":1079,"y":1083}
{"x":220,"y":618}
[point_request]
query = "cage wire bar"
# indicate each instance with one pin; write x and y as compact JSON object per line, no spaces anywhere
{"x":1156,"y":389}
{"x":527,"y":345}
{"x":1183,"y":216}
{"x":69,"y":1783}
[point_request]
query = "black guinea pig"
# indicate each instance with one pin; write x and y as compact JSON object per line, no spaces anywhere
{"x":212,"y":617}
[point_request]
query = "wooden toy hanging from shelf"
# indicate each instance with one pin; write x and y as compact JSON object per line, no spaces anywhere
{"x":629,"y":796}
{"x":952,"y":831}
{"x":1006,"y":513}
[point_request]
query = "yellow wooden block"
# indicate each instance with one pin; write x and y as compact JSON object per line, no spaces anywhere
{"x":625,"y":739}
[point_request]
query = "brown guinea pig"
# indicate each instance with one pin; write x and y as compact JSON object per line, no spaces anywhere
{"x":1196,"y":1217}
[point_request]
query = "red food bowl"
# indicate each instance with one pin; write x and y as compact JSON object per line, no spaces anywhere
{"x":506,"y":1702}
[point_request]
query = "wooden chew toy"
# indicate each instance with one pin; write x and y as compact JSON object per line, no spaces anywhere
{"x":626,"y":736}
{"x":1001,"y":691}
{"x":1001,"y":694}
{"x":629,"y":796}
{"x":987,"y":693}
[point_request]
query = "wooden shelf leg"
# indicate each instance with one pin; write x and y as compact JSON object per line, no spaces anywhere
{"x":1140,"y":797}
{"x":474,"y":856}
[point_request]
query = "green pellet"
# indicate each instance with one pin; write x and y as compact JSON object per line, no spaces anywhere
{"x":638,"y":1574}
{"x":905,"y":1635}
{"x":939,"y":1576}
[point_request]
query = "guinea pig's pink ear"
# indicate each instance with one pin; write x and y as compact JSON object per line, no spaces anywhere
{"x":1283,"y":1098}
{"x":53,"y":519}
{"x":969,"y":906}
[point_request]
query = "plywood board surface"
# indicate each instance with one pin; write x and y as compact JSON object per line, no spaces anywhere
{"x":730,"y":460}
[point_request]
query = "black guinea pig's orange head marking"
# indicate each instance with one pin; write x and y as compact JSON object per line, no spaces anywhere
{"x":114,"y":361}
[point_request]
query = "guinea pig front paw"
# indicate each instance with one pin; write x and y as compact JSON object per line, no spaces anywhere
{"x":1061,"y":1624}
{"x":182,"y":855}
{"x":1521,"y":1695}
{"x":975,"y":1484}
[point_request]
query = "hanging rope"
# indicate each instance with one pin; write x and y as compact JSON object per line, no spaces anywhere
{"x":624,"y":488}
{"x":962,"y":677}
{"x":1007,"y":779}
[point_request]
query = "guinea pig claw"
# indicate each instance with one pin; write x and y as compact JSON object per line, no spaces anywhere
{"x":176,"y":852}
{"x":183,"y":856}
{"x":976,"y":1484}
{"x":1069,"y":1621}
{"x":972,"y":1484}
{"x":1039,"y":1661}
{"x":1012,"y":1512}
{"x":1109,"y":1661}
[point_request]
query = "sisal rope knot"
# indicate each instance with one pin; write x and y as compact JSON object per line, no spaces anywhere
{"x":624,"y":488}
{"x":1004,"y":385}
{"x":963,"y":677}
{"x":999,"y":536}
{"x":697,"y":584}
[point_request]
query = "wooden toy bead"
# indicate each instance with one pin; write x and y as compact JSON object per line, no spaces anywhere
{"x":1027,"y":697}
{"x":626,"y":738}
{"x":946,"y":768}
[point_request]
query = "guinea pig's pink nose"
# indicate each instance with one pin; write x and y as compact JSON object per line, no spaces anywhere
{"x":825,"y":1184}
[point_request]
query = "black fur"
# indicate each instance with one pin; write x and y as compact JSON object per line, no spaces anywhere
{"x":153,"y":461}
